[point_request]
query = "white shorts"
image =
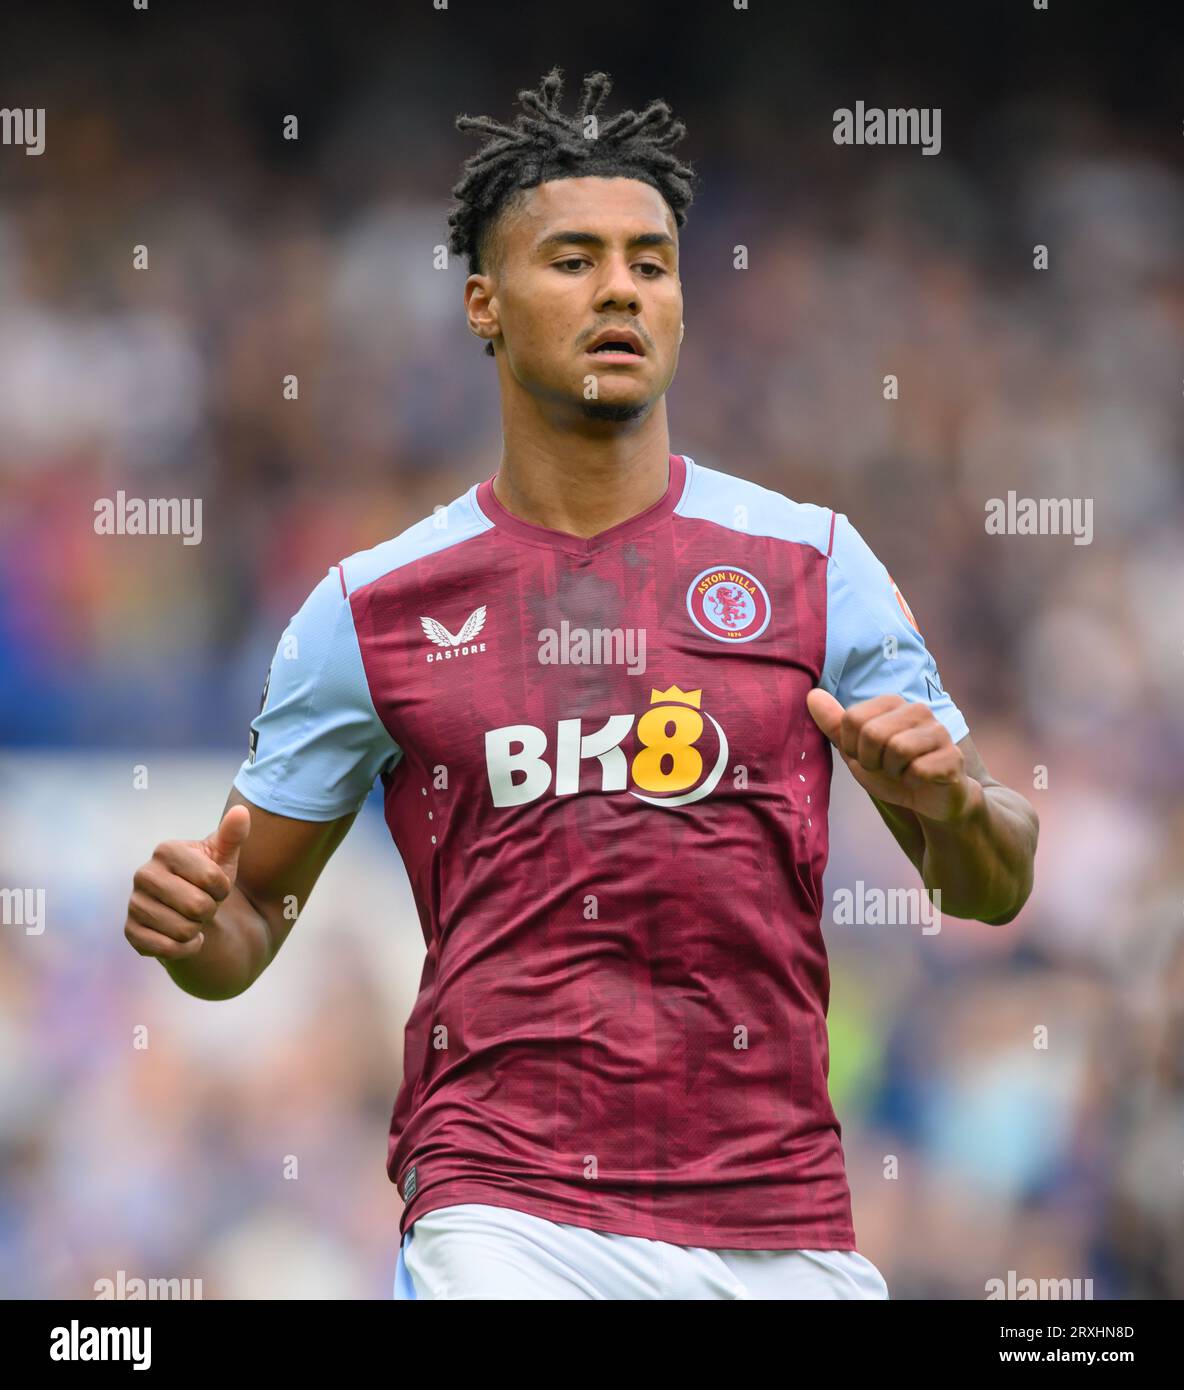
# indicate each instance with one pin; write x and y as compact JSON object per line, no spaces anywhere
{"x":476,"y":1251}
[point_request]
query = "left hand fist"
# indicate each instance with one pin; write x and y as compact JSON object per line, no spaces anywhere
{"x":899,"y":752}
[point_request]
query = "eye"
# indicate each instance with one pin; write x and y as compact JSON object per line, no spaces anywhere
{"x":652,"y":265}
{"x":572,"y":260}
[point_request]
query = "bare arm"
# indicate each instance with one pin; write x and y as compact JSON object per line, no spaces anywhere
{"x":215,"y":912}
{"x":982,"y":862}
{"x":970,"y":837}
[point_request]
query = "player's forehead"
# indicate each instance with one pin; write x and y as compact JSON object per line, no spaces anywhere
{"x":615,"y":210}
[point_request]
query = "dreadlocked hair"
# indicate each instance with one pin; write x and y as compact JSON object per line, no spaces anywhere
{"x":545,"y":144}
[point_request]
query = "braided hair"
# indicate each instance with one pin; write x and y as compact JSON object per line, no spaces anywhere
{"x":545,"y":144}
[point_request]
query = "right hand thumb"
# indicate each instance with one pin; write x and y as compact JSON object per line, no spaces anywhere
{"x":224,"y":844}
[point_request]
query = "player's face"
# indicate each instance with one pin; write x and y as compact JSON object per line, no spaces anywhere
{"x":580,"y":259}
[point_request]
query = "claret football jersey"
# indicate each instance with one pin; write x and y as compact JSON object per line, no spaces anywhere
{"x":611,"y":801}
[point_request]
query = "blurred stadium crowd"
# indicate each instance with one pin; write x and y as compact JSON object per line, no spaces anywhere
{"x":1054,"y":1162}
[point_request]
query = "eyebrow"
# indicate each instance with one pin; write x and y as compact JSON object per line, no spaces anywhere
{"x":591,"y":239}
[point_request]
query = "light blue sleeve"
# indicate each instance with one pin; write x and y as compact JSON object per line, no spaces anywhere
{"x":871,"y":647}
{"x":317,"y":743}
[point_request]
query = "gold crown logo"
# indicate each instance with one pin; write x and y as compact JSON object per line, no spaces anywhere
{"x":685,"y":697}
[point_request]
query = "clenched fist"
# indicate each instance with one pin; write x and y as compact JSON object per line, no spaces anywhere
{"x":900,"y":752}
{"x":176,"y":893}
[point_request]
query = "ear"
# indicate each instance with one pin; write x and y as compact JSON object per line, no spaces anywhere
{"x":482,"y":317}
{"x":682,"y":332}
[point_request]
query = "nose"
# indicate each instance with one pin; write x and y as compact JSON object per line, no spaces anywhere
{"x":618,"y":290}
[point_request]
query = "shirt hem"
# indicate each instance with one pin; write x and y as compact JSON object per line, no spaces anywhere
{"x":671,"y":1232}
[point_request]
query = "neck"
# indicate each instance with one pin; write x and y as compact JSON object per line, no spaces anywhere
{"x":583,"y":477}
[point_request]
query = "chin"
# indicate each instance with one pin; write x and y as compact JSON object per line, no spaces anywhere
{"x":615,"y":411}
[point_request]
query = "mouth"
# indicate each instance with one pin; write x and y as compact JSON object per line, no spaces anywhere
{"x":617,"y":346}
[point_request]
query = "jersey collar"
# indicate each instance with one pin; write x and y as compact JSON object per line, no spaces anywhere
{"x":531,"y":534}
